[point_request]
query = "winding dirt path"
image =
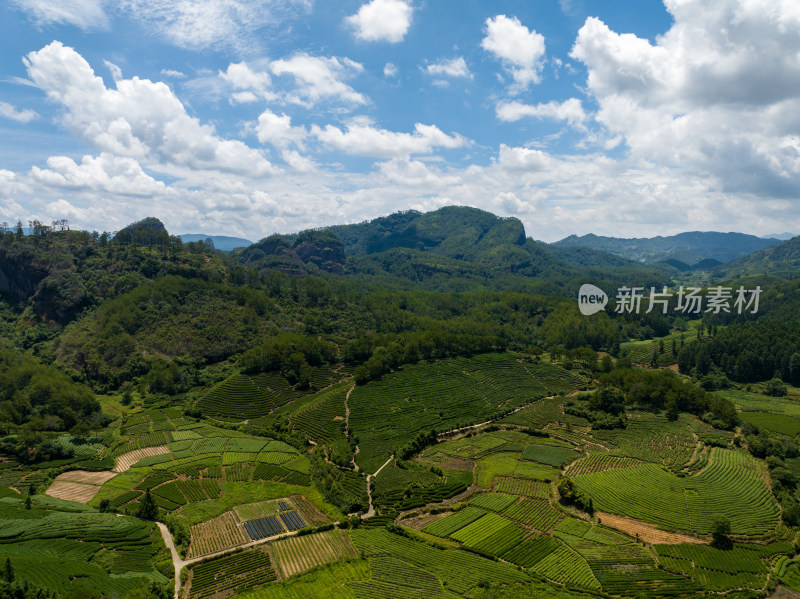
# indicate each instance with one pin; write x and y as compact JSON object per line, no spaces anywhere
{"x":347,"y":425}
{"x":371,"y":511}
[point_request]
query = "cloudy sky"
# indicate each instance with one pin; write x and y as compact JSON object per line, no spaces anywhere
{"x":247,"y":117}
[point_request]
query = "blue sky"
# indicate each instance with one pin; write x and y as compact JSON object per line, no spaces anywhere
{"x":247,"y":117}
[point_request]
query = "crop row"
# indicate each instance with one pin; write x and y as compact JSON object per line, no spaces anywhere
{"x":213,"y":535}
{"x":236,"y":573}
{"x":537,"y":513}
{"x":462,"y":570}
{"x":522,"y":486}
{"x":299,"y":554}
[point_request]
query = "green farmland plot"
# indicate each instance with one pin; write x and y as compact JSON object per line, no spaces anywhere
{"x":242,"y":396}
{"x":78,"y":553}
{"x":732,"y":485}
{"x":322,"y":420}
{"x":462,"y":571}
{"x":388,"y":413}
{"x":212,"y":458}
{"x":741,"y":566}
{"x":331,"y":582}
{"x":552,"y":456}
{"x":392,"y":577}
{"x":543,"y":413}
{"x":653,"y":438}
{"x":755,"y":402}
{"x":495,"y":502}
{"x":454,"y":522}
{"x":779,"y":423}
{"x":537,"y":513}
{"x":237,"y":572}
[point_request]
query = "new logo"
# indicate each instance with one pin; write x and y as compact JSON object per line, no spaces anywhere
{"x":591,"y":299}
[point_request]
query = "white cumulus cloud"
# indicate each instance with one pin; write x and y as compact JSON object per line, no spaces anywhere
{"x":139,"y":118}
{"x":569,"y":110}
{"x":108,"y":173}
{"x":718,"y":93}
{"x":26,"y":115}
{"x":320,"y":78}
{"x":454,"y":67}
{"x":520,"y":49}
{"x":366,"y":140}
{"x":381,"y":21}
{"x":278,"y":130}
{"x":390,"y":70}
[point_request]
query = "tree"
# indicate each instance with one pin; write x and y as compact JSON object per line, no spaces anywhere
{"x":8,"y":571}
{"x":608,"y":399}
{"x":151,"y":591}
{"x":775,"y":388}
{"x":104,"y":505}
{"x":28,"y":502}
{"x":720,"y":530}
{"x":148,"y":510}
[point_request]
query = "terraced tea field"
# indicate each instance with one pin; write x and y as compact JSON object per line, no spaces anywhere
{"x":296,"y":555}
{"x":243,"y":396}
{"x":462,"y":571}
{"x":742,"y":566}
{"x":386,"y":414}
{"x":237,"y":572}
{"x":732,"y":485}
{"x":76,"y":551}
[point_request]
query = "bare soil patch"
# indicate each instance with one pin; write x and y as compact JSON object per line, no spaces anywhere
{"x":646,"y":532}
{"x":88,"y":478}
{"x":126,"y":460}
{"x":421,"y":521}
{"x":71,"y":491}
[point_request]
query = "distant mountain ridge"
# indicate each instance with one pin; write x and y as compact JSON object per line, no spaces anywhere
{"x":221,"y":242}
{"x":689,"y":248}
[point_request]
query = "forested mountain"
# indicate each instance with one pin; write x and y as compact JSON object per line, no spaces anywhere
{"x":781,"y":260}
{"x":451,"y":249}
{"x":689,"y":248}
